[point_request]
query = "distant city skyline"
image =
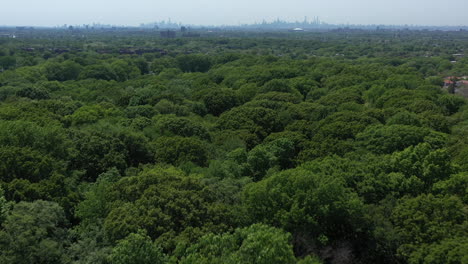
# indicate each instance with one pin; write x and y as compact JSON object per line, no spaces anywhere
{"x":223,"y":12}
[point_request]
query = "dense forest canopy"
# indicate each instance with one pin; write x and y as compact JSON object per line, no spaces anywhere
{"x":233,"y":147}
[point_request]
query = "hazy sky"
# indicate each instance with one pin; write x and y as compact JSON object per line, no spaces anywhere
{"x":233,"y":12}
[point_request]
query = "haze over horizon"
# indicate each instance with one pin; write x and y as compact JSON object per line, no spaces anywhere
{"x":222,"y":12}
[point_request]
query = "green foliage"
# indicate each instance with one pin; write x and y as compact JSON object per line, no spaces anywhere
{"x":387,"y":139}
{"x":49,"y":139}
{"x":299,"y":200}
{"x":277,"y":85}
{"x":34,"y":233}
{"x":428,"y":164}
{"x":35,"y":93}
{"x":98,"y":152}
{"x":180,"y":126}
{"x":452,"y":250}
{"x":64,"y":71}
{"x":97,"y":202}
{"x":279,"y":152}
{"x":165,"y":203}
{"x":218,"y":101}
{"x":346,"y":95}
{"x":405,"y":118}
{"x":308,"y":111}
{"x":194,"y":63}
{"x":7,"y":62}
{"x":309,"y":260}
{"x":259,"y":120}
{"x":4,"y":206}
{"x":426,"y":220}
{"x":344,"y":125}
{"x":25,"y":163}
{"x":102,"y":72}
{"x":91,"y":114}
{"x":177,"y":150}
{"x":451,"y":103}
{"x":210,"y":149}
{"x":457,"y":184}
{"x":90,"y":246}
{"x":259,"y":244}
{"x":137,"y":249}
{"x":124,"y":70}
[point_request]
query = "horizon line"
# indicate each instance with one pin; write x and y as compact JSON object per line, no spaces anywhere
{"x":315,"y":22}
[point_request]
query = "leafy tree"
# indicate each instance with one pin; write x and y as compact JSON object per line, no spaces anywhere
{"x":307,"y":204}
{"x":103,"y":72}
{"x":49,"y":139}
{"x":97,"y":202}
{"x":4,"y":206}
{"x":96,"y":152}
{"x":137,"y":249}
{"x":34,"y":233}
{"x":142,"y":65}
{"x":167,"y":107}
{"x":255,"y":244}
{"x":140,"y":111}
{"x":25,"y":163}
{"x":387,"y":139}
{"x":177,"y":150}
{"x":123,"y":70}
{"x":341,"y":96}
{"x":218,"y":101}
{"x":456,"y":184}
{"x":304,"y":85}
{"x":180,"y":126}
{"x":452,"y":250}
{"x":277,"y":85}
{"x":344,"y":125}
{"x":405,"y":118}
{"x":67,"y":70}
{"x":91,"y":245}
{"x":308,"y":111}
{"x":426,"y":220}
{"x":35,"y":93}
{"x":279,"y":152}
{"x":279,"y":97}
{"x":428,"y":164}
{"x":166,"y":203}
{"x":91,"y":114}
{"x":259,"y":120}
{"x":7,"y":62}
{"x":451,"y":103}
{"x":194,"y":63}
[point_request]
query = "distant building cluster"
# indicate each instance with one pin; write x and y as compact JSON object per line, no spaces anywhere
{"x":168,"y":34}
{"x":7,"y":36}
{"x":456,"y":81}
{"x":456,"y":85}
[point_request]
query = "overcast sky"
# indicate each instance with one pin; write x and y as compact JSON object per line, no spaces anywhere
{"x":232,"y":12}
